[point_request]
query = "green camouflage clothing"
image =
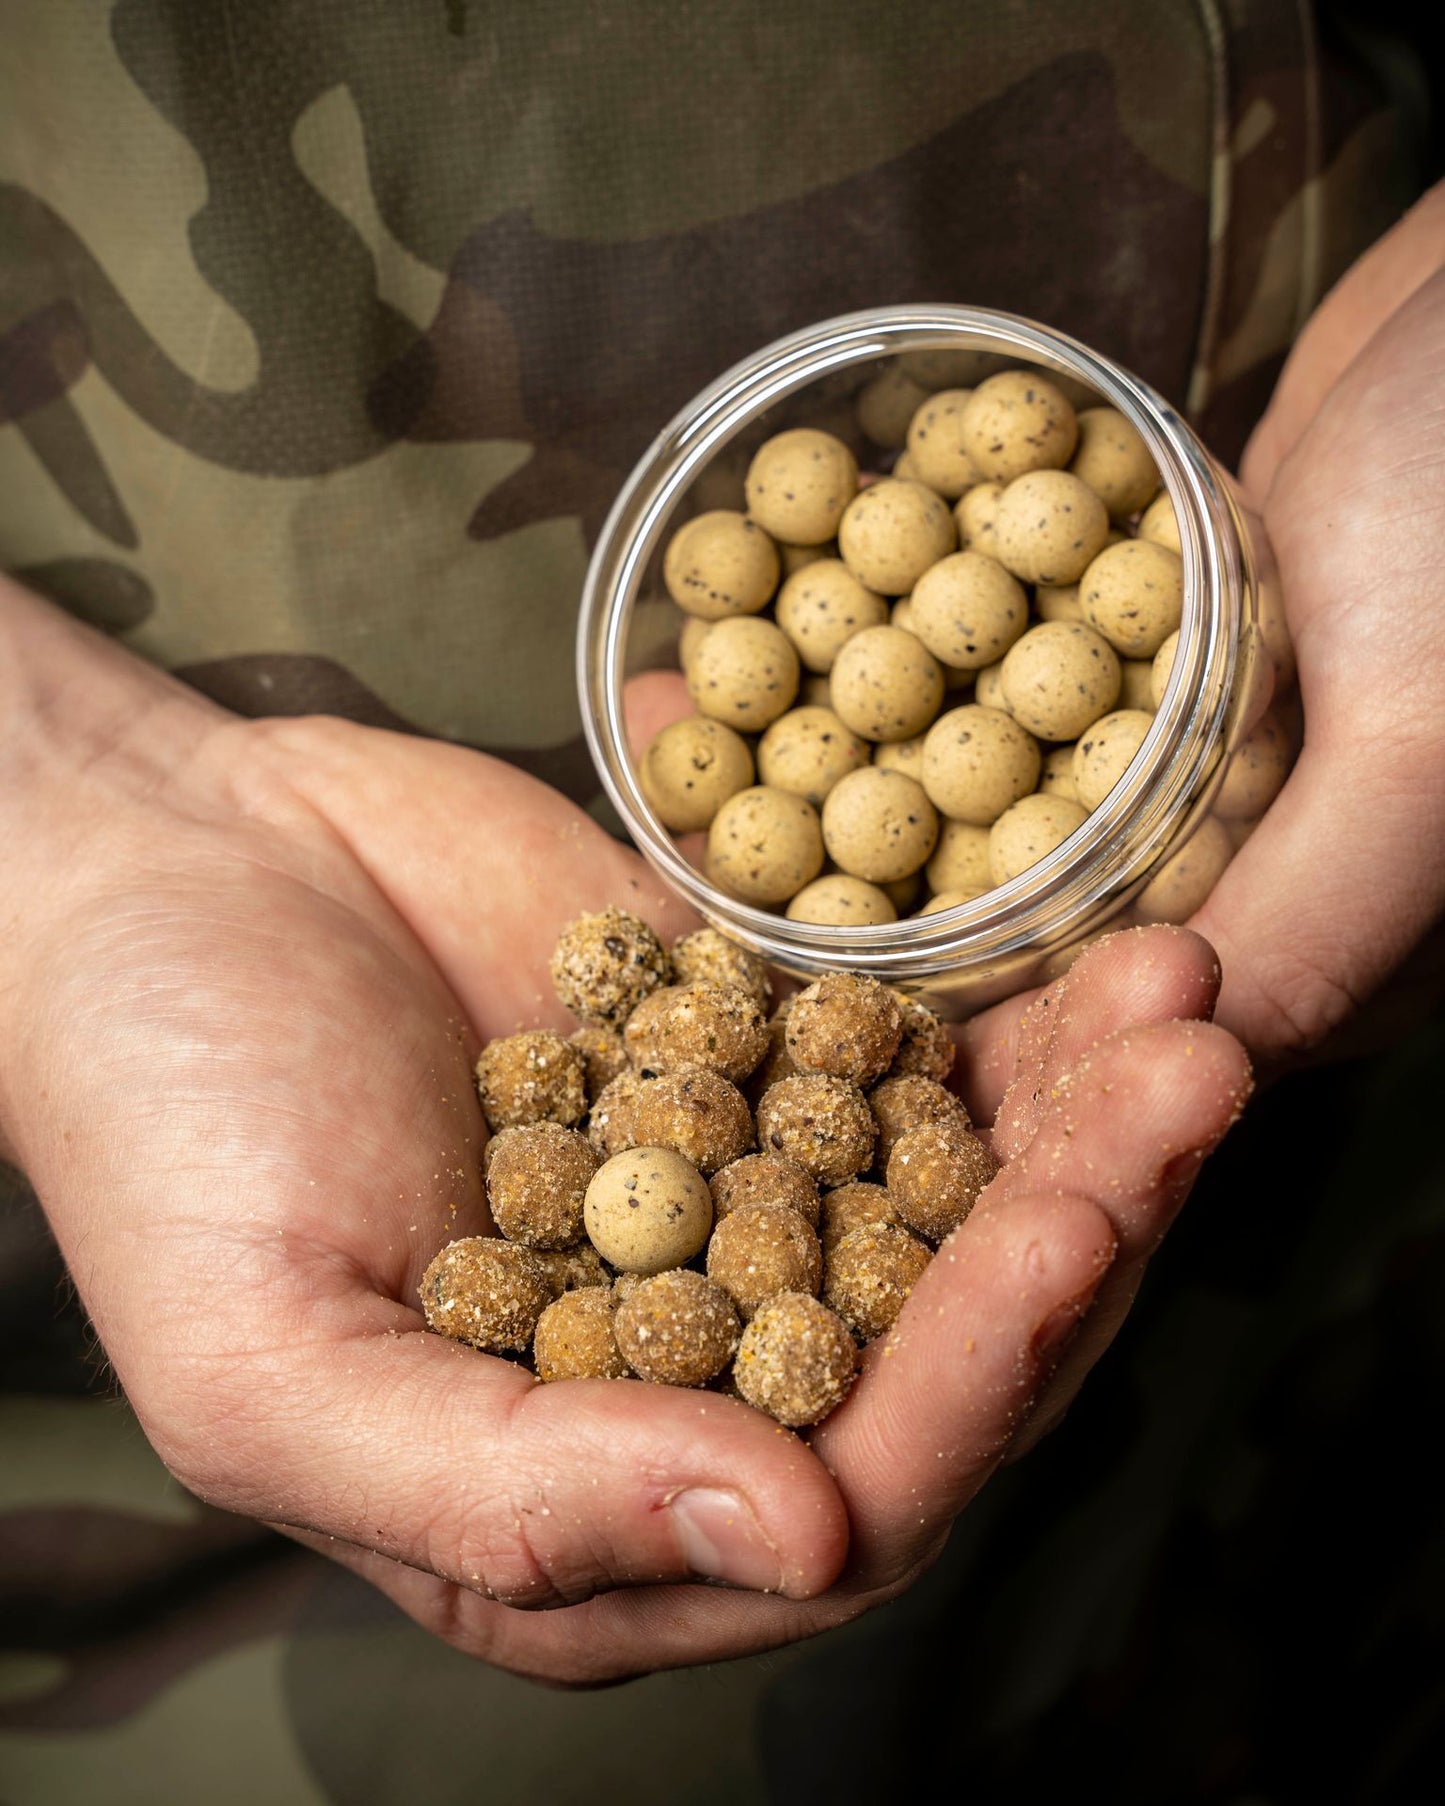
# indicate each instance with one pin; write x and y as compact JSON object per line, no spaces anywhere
{"x":327,"y":334}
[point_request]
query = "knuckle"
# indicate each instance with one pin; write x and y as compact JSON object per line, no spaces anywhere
{"x":1302,"y":1003}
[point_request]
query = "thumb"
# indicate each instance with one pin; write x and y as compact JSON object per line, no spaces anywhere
{"x":463,"y":1466}
{"x":485,"y":864}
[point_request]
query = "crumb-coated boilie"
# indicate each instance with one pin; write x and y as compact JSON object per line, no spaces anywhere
{"x":571,"y":1269}
{"x":610,"y":1120}
{"x":648,"y":1209}
{"x":925,"y":1045}
{"x":760,"y":1250}
{"x":853,"y":1206}
{"x":707,"y":957}
{"x":846,"y":1024}
{"x":906,"y":1101}
{"x":935,"y":1174}
{"x":796,"y":1360}
{"x":777,"y":1063}
{"x":574,"y":1339}
{"x":604,"y":965}
{"x":537,"y":1175}
{"x":821,"y":1122}
{"x":530,"y":1077}
{"x":764,"y":1179}
{"x":868,"y":1275}
{"x":486,"y":1292}
{"x":603,"y":1057}
{"x":693,"y":1110}
{"x":700,"y":1024}
{"x":677,"y":1329}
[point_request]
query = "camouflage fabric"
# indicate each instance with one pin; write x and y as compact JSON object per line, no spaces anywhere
{"x":326,"y":336}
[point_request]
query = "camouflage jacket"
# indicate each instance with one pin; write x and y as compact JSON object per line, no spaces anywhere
{"x":327,"y":334}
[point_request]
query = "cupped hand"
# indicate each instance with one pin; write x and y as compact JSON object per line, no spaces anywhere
{"x":1345,"y":877}
{"x":246,"y":969}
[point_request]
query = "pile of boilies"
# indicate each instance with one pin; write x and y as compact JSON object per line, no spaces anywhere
{"x":696,"y":1193}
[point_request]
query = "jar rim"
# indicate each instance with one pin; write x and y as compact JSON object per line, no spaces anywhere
{"x":1055,"y":900}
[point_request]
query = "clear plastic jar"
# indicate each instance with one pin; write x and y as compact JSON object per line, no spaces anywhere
{"x":1232,"y":651}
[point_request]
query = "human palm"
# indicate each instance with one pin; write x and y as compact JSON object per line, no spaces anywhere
{"x":239,"y":1077}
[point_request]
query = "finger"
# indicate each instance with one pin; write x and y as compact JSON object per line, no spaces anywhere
{"x":1302,"y":953}
{"x":1351,"y":314}
{"x":946,"y":1390}
{"x":1130,"y":1126}
{"x":651,"y":702}
{"x":1055,"y":1246}
{"x":1137,"y":976}
{"x":998,"y":1047}
{"x":464,"y":1467}
{"x":484,"y":864}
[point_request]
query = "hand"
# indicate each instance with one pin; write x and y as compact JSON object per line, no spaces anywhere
{"x":242,"y":981}
{"x":1345,"y":876}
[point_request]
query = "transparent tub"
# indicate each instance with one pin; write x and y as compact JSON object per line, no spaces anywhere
{"x":1233,"y":655}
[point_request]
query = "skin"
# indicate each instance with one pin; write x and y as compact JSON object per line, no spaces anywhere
{"x":246,"y":1223}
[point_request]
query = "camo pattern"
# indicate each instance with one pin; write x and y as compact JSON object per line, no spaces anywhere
{"x":327,"y":334}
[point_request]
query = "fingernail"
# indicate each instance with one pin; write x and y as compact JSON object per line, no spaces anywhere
{"x":720,"y":1539}
{"x":1059,"y":1328}
{"x":1180,"y":1173}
